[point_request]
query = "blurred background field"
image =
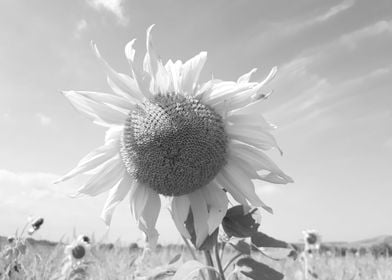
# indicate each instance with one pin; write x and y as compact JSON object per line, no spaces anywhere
{"x":367,"y":259}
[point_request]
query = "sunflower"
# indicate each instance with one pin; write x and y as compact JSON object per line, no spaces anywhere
{"x":169,"y":135}
{"x":78,"y":250}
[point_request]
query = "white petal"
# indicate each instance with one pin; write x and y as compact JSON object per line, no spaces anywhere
{"x":200,"y":216}
{"x":249,"y":120}
{"x":138,"y":199}
{"x":180,"y":210}
{"x":237,"y":177}
{"x":142,"y":81}
{"x":246,"y":77}
{"x":258,"y":138}
{"x":149,"y":215}
{"x":153,"y":65}
{"x":258,"y":159}
{"x":128,"y":86}
{"x":105,"y":177}
{"x":174,"y":70}
{"x":270,"y":76}
{"x":217,"y":205}
{"x":100,"y":113}
{"x":233,"y":190}
{"x":191,"y":72}
{"x":109,"y":99}
{"x":116,"y":195}
{"x":92,"y":160}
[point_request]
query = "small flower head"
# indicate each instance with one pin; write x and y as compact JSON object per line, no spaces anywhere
{"x":312,"y":240}
{"x":11,"y":239}
{"x":78,"y":250}
{"x":84,"y":238}
{"x":35,"y":225}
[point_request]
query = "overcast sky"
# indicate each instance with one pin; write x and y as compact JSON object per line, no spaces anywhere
{"x":332,"y":104}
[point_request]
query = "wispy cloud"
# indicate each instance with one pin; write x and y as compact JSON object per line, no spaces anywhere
{"x":43,"y":119}
{"x":335,"y":10}
{"x":352,"y":39}
{"x":81,"y":26}
{"x":113,"y":6}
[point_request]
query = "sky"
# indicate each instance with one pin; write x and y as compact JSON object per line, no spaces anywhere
{"x":332,"y":104}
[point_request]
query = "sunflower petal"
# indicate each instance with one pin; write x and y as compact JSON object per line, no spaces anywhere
{"x":109,"y":99}
{"x":116,"y":195}
{"x":191,"y":72}
{"x":148,"y":218}
{"x":237,"y":177}
{"x":104,"y":178}
{"x":217,"y":205}
{"x":128,"y":87}
{"x":92,"y":160}
{"x":200,"y":216}
{"x":180,"y":210}
{"x":246,"y":77}
{"x":99,"y":113}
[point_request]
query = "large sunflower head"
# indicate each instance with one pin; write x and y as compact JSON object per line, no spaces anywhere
{"x":168,"y":134}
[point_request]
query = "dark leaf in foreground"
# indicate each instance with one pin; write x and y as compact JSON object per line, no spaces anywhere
{"x":260,"y":239}
{"x":257,"y":271}
{"x":237,"y":223}
{"x":241,"y":246}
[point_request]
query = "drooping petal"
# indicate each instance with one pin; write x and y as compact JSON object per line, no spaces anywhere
{"x":99,"y":113}
{"x":180,"y":210}
{"x":217,"y":205}
{"x":233,"y":190}
{"x":258,"y":159}
{"x":138,"y":199}
{"x":256,"y":121}
{"x":126,"y":85}
{"x":146,"y":205}
{"x":104,"y":177}
{"x":191,"y":72}
{"x":116,"y":195}
{"x":200,"y":216}
{"x":239,"y":179}
{"x":246,"y":77}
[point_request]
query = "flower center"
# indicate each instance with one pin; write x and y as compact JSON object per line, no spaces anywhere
{"x":175,"y":144}
{"x":78,"y":252}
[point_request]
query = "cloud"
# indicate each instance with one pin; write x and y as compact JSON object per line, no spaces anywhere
{"x":351,"y":40}
{"x":43,"y":119}
{"x":113,"y":6}
{"x":81,"y":26}
{"x":335,"y":10}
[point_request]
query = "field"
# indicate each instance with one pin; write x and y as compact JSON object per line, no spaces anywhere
{"x":48,"y":261}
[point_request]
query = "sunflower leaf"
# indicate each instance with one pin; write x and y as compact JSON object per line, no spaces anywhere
{"x":260,"y":239}
{"x":238,"y":223}
{"x":257,"y":270}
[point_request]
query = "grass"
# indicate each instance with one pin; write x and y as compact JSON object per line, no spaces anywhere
{"x":42,"y":262}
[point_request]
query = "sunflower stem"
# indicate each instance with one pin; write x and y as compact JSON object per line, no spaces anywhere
{"x":218,"y":261}
{"x":211,"y":274}
{"x":193,"y":254}
{"x":231,"y":261}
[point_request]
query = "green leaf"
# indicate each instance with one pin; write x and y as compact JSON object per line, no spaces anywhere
{"x":238,"y":223}
{"x":257,"y":270}
{"x":241,"y":246}
{"x":260,"y":239}
{"x":175,"y":259}
{"x":188,"y":269}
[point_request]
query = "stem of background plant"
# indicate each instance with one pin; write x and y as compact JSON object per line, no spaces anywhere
{"x":231,"y":261}
{"x":218,"y":261}
{"x":211,"y":274}
{"x":193,"y":254}
{"x":222,"y":249}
